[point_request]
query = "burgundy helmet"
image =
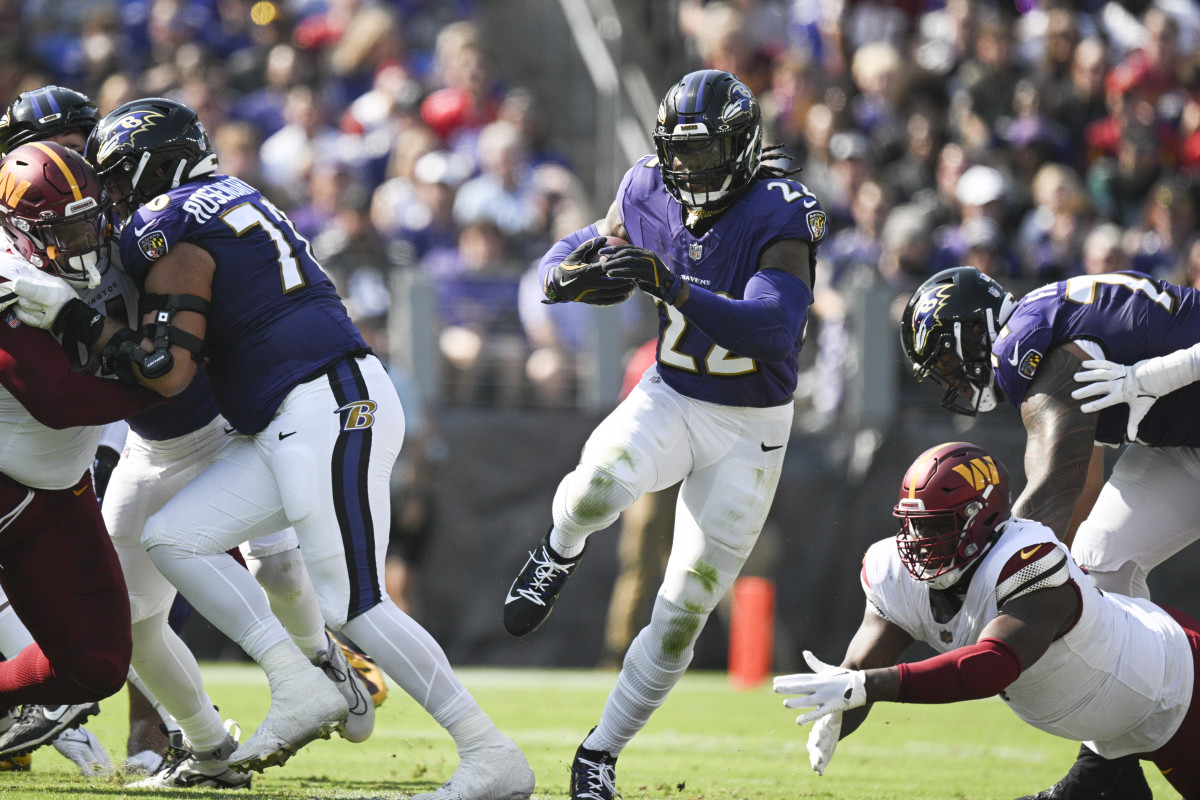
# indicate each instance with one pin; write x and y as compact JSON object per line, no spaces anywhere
{"x":56,"y":212}
{"x":952,"y":500}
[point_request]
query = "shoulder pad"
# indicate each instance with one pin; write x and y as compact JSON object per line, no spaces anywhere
{"x":1041,"y":566}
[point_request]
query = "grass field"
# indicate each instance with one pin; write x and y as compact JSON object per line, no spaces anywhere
{"x":709,"y":742}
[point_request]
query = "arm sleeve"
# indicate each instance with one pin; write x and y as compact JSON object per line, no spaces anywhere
{"x":764,"y":325}
{"x":562,"y":248}
{"x":36,"y":371}
{"x":965,"y":673}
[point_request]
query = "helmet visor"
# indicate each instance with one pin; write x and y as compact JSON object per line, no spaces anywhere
{"x":73,"y":245}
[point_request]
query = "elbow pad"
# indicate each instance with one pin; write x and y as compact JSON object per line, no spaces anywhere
{"x":164,"y":334}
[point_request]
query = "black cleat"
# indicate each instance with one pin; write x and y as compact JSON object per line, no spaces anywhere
{"x":39,"y":725}
{"x":1093,"y":777}
{"x":593,"y":775}
{"x":531,"y":596}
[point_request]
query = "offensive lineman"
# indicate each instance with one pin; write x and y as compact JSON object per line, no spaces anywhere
{"x":318,"y":426}
{"x":1010,"y":613}
{"x":726,"y":246}
{"x":166,"y":446}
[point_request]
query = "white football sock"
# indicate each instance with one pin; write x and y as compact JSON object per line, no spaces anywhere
{"x":414,"y":660}
{"x":293,"y":599}
{"x":647,"y":676}
{"x":224,"y":593}
{"x":170,"y":678}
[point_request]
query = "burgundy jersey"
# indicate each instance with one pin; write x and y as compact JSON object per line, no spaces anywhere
{"x":721,"y":261}
{"x":1131,"y":317}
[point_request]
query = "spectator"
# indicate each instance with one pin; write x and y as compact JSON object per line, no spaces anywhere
{"x":1168,"y":218}
{"x":1050,"y":238}
{"x":289,"y":153}
{"x":468,"y":101}
{"x":504,"y":192}
{"x":979,"y":192}
{"x":1120,"y":185}
{"x":481,"y":338}
{"x":1102,"y":250}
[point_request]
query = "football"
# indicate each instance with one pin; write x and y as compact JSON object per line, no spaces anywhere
{"x":613,"y":241}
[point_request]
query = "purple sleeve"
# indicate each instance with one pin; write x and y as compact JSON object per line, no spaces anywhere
{"x":562,"y":248}
{"x":763,"y":326}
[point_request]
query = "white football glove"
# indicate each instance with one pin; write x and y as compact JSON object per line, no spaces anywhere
{"x":827,"y":689}
{"x":822,"y":740}
{"x":40,"y":297}
{"x":1138,"y":385}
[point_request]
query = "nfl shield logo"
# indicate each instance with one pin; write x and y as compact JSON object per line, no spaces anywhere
{"x":695,"y":251}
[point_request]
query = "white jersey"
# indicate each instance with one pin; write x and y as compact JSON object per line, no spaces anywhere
{"x":1120,"y":679}
{"x":31,"y":453}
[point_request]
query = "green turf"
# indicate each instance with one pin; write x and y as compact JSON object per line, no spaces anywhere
{"x":709,"y":742}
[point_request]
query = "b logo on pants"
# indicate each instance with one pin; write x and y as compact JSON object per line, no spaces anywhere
{"x":358,"y":415}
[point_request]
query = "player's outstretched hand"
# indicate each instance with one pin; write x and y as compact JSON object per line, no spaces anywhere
{"x":40,"y":298}
{"x":822,"y":740}
{"x":1109,"y":383}
{"x":580,"y":278}
{"x":644,"y":267}
{"x":826,"y":690}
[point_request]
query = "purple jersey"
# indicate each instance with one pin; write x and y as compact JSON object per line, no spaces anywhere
{"x":275,"y":320}
{"x":721,"y":261}
{"x":1128,"y":314}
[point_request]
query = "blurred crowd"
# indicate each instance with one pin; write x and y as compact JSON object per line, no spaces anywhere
{"x":383,"y":128}
{"x":1034,"y":146}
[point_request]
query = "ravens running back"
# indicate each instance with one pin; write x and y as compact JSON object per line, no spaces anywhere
{"x":724,"y":245}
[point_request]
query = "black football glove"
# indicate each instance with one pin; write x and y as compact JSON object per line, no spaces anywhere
{"x":579,"y":279}
{"x":645,"y":268}
{"x":102,"y":467}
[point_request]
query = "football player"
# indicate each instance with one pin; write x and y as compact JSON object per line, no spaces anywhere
{"x":165,"y":447}
{"x":963,"y":331}
{"x":60,"y":115}
{"x":77,"y":613}
{"x":315,"y":425}
{"x":1010,"y":613}
{"x":725,"y":245}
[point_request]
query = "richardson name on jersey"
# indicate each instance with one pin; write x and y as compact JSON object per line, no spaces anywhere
{"x":208,"y":200}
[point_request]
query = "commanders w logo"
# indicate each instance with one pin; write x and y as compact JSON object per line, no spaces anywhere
{"x":979,"y":472}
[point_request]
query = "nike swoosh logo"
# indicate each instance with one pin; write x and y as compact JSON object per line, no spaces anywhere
{"x":768,"y":448}
{"x":139,"y":231}
{"x":809,"y":202}
{"x":54,"y":712}
{"x":1016,"y":355}
{"x":80,"y":490}
{"x":1025,"y":554}
{"x":283,"y":435}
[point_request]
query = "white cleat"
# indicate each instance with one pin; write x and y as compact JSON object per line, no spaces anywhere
{"x":186,"y":768}
{"x":492,"y":772}
{"x":360,"y":719}
{"x":304,"y":706}
{"x":82,"y":747}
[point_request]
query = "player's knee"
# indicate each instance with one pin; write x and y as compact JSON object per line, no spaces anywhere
{"x":675,"y":627}
{"x":96,"y":675}
{"x":593,"y":497}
